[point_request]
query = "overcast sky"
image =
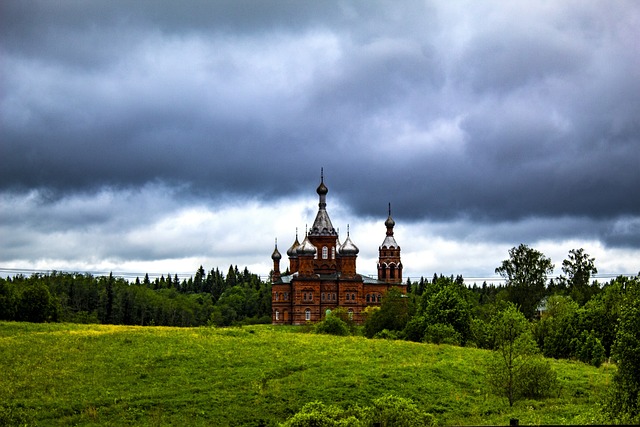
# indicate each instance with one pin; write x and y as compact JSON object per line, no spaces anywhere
{"x":158,"y":136}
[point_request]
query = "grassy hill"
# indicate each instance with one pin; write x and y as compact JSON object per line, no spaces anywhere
{"x":61,"y":374}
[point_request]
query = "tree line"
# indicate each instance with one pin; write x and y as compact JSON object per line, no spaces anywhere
{"x":207,"y":298}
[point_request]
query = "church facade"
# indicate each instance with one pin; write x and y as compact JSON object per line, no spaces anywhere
{"x":322,"y":274}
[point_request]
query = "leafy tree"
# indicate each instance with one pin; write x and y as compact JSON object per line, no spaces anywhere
{"x":393,"y":315}
{"x":558,"y":327}
{"x":526,"y":274}
{"x":515,"y":371}
{"x":36,"y":304}
{"x":588,"y":349}
{"x":600,"y":314}
{"x":8,"y":300}
{"x":449,"y":305}
{"x":579,"y":267}
{"x":625,"y":401}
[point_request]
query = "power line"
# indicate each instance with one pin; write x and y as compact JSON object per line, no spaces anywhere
{"x":6,"y":271}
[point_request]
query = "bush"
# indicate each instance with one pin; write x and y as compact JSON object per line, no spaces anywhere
{"x":442,"y":334}
{"x":399,"y":412}
{"x":589,"y":349}
{"x":537,"y":379}
{"x":332,"y":325}
{"x":414,"y":331}
{"x":386,"y":411}
{"x":386,"y":334}
{"x":480,"y":334}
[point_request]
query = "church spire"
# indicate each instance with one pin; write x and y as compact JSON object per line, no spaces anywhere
{"x":322,"y":225}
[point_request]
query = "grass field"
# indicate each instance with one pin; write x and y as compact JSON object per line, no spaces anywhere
{"x":68,"y":374}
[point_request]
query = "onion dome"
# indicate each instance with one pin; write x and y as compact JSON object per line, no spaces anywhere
{"x":322,"y":189}
{"x":306,"y":248}
{"x":291,"y":252}
{"x":276,"y":254}
{"x":348,"y":248}
{"x":389,"y":223}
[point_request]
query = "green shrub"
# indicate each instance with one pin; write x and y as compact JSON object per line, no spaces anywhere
{"x":414,"y":331}
{"x":536,"y":379}
{"x":396,"y":411}
{"x":386,"y":411}
{"x":387,"y":335}
{"x":332,"y":325}
{"x":589,"y":349}
{"x":442,"y":334}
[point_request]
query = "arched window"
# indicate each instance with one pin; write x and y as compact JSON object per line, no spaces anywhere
{"x":368,"y":298}
{"x":350,"y":312}
{"x":322,"y":296}
{"x":275,"y":296}
{"x":379,"y":298}
{"x":353,"y":297}
{"x":333,"y":252}
{"x":286,"y":296}
{"x":346,"y":297}
{"x":307,"y":314}
{"x":304,"y":296}
{"x":277,"y":315}
{"x":310,"y":296}
{"x":325,"y":252}
{"x":392,"y":271}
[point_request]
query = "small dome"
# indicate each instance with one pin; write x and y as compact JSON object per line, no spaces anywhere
{"x":306,"y":248}
{"x":348,"y":248}
{"x":276,"y":254}
{"x":322,"y":189}
{"x":291,"y":252}
{"x":390,"y":222}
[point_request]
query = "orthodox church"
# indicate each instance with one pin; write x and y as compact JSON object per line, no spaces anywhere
{"x":323,"y":276}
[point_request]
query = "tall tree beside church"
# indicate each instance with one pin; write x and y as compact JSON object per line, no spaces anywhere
{"x":526,"y":273}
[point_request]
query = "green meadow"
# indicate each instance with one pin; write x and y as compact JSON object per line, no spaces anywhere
{"x":70,"y":374}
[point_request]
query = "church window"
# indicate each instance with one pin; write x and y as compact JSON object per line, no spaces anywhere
{"x":275,"y":296}
{"x":333,"y":252}
{"x":304,"y":296}
{"x":310,"y":296}
{"x":379,"y":297}
{"x":325,"y":252}
{"x":307,"y":314}
{"x":286,"y":296}
{"x":277,"y":315}
{"x":353,"y":297}
{"x":347,"y":296}
{"x":350,"y":311}
{"x":368,"y":298}
{"x":323,"y":296}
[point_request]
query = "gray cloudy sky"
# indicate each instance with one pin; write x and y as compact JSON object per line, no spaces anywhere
{"x":155,"y":136}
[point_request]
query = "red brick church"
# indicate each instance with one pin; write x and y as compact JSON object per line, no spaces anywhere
{"x":323,"y":276}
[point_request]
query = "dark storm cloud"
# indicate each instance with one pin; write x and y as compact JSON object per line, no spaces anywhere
{"x":483,"y":113}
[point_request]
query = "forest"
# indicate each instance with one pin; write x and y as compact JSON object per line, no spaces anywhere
{"x":203,"y":299}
